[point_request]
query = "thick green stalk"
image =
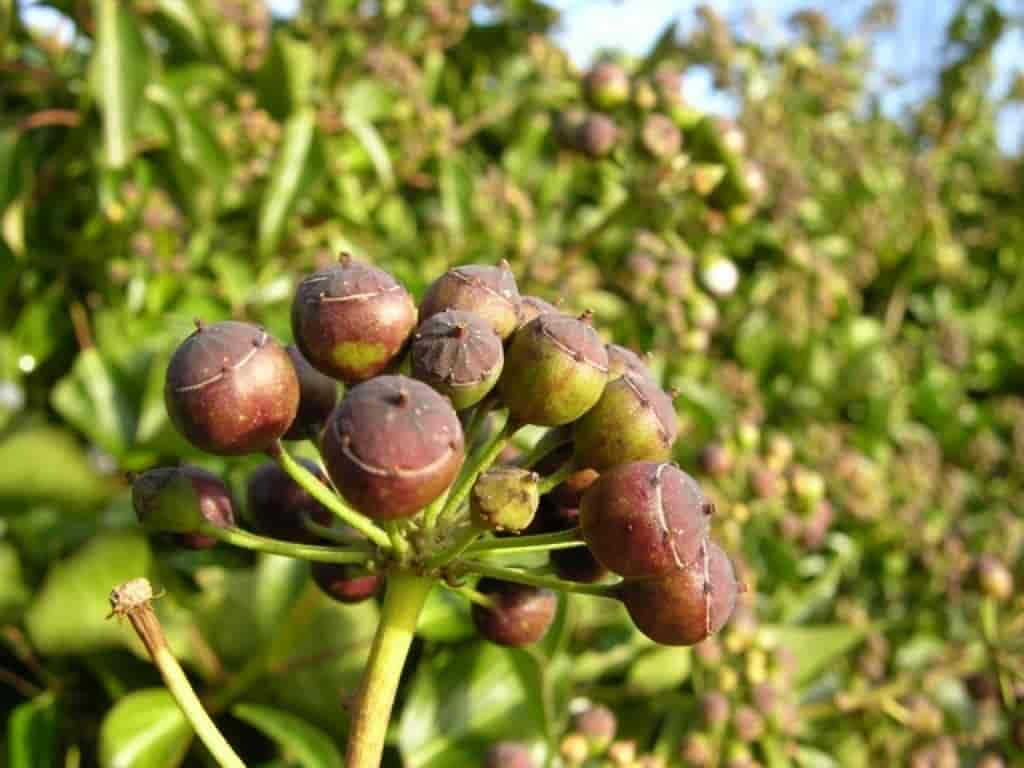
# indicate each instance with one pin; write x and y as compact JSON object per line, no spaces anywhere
{"x":403,"y":602}
{"x":315,"y":552}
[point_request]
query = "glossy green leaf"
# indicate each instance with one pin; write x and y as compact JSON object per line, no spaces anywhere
{"x":69,"y":613}
{"x":33,"y":733}
{"x":292,"y":171}
{"x":302,"y":744}
{"x":145,"y":729}
{"x":120,"y":77}
{"x":90,"y":399}
{"x":659,"y":670}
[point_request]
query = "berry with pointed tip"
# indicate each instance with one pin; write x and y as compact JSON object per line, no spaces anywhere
{"x":458,"y":354}
{"x":661,"y":137}
{"x":532,"y":306}
{"x":634,"y":420}
{"x":606,"y":86}
{"x":231,"y":389}
{"x":520,"y":615}
{"x":179,"y":499}
{"x":509,"y":754}
{"x":505,"y":498}
{"x":318,"y":394}
{"x":351,"y":320}
{"x":686,"y":605}
{"x":276,"y":504}
{"x":393,"y":446}
{"x":342,"y":583}
{"x":555,"y":371}
{"x":596,"y":136}
{"x":487,"y":291}
{"x":645,"y":519}
{"x":622,"y":359}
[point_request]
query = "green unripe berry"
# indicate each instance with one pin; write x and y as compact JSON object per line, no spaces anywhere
{"x":606,"y":86}
{"x":633,"y":421}
{"x":505,"y":498}
{"x":555,"y":371}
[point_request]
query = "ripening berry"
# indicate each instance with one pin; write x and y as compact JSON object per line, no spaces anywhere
{"x":519,"y":616}
{"x":352,"y":320}
{"x":179,"y":500}
{"x":344,"y":583}
{"x":231,"y":389}
{"x":645,"y":519}
{"x":393,"y":446}
{"x":277,"y":504}
{"x":489,"y":292}
{"x":458,"y":354}
{"x":606,"y":86}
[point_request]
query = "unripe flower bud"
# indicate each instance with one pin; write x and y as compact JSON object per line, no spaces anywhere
{"x":995,"y":578}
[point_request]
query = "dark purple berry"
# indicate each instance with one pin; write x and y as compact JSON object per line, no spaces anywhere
{"x":318,"y":394}
{"x":277,"y":504}
{"x":341,"y":583}
{"x":393,"y":446}
{"x":352,"y":320}
{"x":645,"y":519}
{"x":686,"y":605}
{"x":179,"y":499}
{"x":231,"y":389}
{"x":634,"y":420}
{"x":487,"y":291}
{"x":555,"y":370}
{"x":458,"y":354}
{"x":520,"y":615}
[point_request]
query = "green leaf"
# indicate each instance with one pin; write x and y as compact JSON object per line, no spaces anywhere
{"x":14,"y":593}
{"x":120,"y":77}
{"x":33,"y":733}
{"x":292,"y":171}
{"x":445,"y":618}
{"x":78,"y":486}
{"x":659,"y":670}
{"x":462,"y":699}
{"x":814,"y":648}
{"x":374,"y":145}
{"x":301,"y":742}
{"x":68,"y":615}
{"x":90,"y":399}
{"x":145,"y":729}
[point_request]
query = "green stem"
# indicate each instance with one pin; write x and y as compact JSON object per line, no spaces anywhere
{"x":552,"y":481}
{"x":478,"y":464}
{"x":333,"y":534}
{"x":539,"y":543}
{"x":148,"y":628}
{"x":403,"y":602}
{"x":308,"y":481}
{"x":537,"y":580}
{"x":462,"y":542}
{"x":315,"y":552}
{"x":549,"y":442}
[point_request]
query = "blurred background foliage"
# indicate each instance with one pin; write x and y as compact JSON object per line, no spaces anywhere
{"x":837,"y":296}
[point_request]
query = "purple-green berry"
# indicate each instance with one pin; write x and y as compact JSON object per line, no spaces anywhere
{"x":352,"y":320}
{"x":458,"y":354}
{"x":555,"y":371}
{"x":606,"y":86}
{"x":634,"y":420}
{"x":180,"y":500}
{"x":487,"y":291}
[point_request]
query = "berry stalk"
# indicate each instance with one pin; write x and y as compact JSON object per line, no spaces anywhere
{"x":403,"y":601}
{"x":542,"y":542}
{"x":480,"y":463}
{"x":133,"y":599}
{"x":537,"y":580}
{"x":323,"y":494}
{"x":313,"y":552}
